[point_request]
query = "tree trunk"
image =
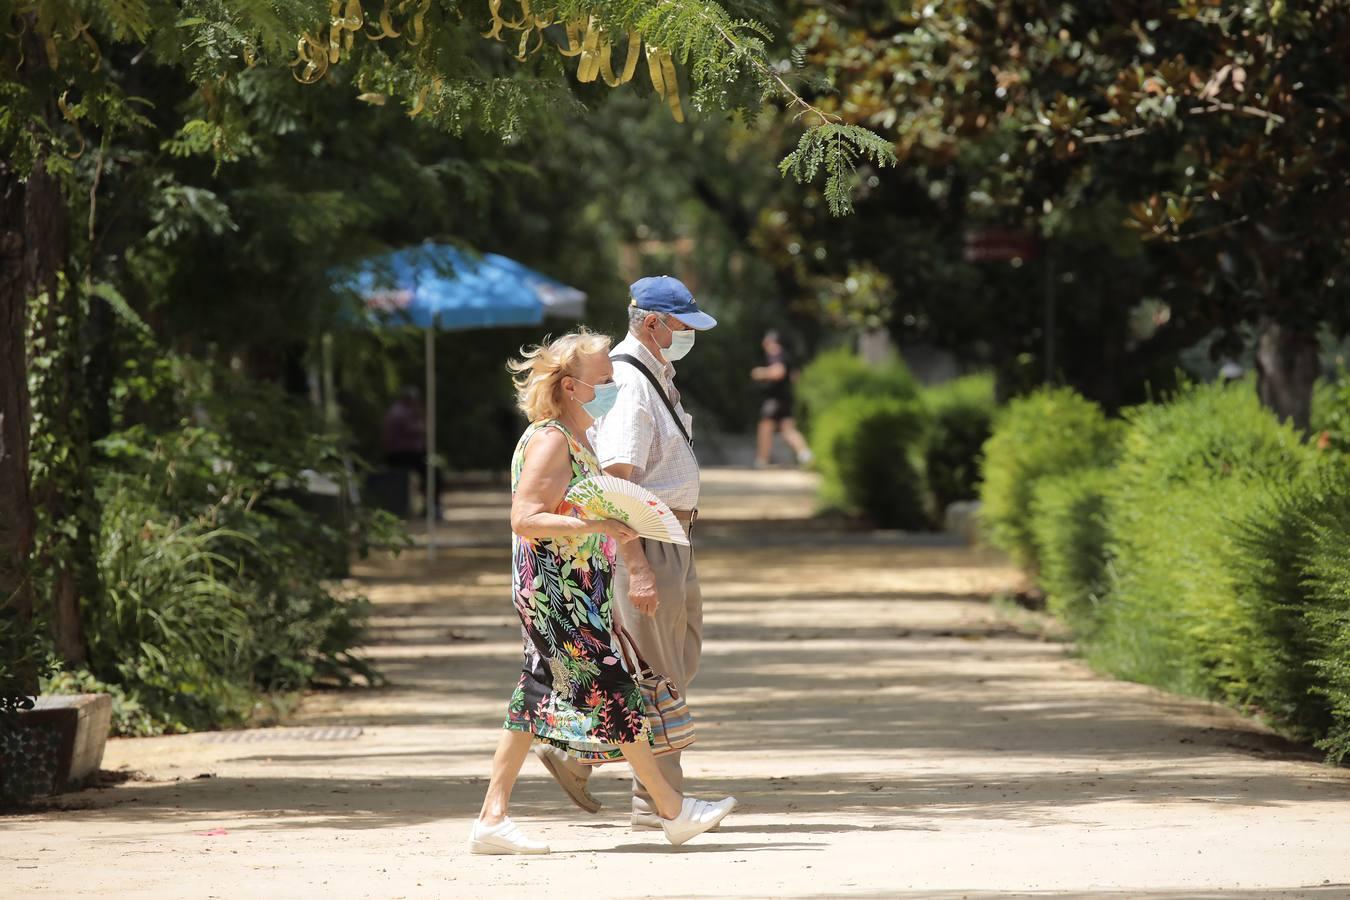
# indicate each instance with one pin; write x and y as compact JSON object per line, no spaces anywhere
{"x":60,"y":487}
{"x":1287,"y":366}
{"x":32,"y":242}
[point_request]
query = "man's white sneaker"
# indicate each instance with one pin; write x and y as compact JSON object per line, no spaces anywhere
{"x":696,"y":817}
{"x":503,"y":838}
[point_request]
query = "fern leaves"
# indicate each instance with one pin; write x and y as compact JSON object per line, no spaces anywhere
{"x":837,"y":149}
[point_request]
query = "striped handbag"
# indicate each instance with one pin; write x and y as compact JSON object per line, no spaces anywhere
{"x":668,"y":717}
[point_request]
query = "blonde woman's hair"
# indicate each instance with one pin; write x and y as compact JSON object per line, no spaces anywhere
{"x":539,"y":372}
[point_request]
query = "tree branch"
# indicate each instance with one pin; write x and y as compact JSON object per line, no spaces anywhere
{"x":1215,"y":107}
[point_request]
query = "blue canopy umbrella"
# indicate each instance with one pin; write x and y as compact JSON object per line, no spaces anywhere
{"x":438,"y":286}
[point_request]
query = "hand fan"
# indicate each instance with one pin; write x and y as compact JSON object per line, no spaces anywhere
{"x":607,"y":497}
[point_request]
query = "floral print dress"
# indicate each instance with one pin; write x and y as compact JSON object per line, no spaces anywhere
{"x":574,"y":689}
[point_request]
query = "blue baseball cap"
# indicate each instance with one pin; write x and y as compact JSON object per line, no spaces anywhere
{"x":667,"y":295}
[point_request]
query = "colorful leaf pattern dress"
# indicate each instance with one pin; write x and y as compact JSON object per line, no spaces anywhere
{"x":574,"y":689}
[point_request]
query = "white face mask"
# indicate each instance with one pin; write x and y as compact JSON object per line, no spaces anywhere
{"x":681,"y":342}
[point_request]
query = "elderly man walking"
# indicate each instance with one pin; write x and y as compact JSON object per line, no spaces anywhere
{"x":647,"y":438}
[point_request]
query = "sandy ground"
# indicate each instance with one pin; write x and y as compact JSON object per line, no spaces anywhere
{"x":888,"y":731}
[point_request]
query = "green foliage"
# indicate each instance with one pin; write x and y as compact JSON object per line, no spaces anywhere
{"x":1050,"y":432}
{"x":1331,"y":411}
{"x":25,"y":655}
{"x":1069,"y":528}
{"x":837,"y":149}
{"x":1190,"y":470}
{"x":173,"y":628}
{"x":215,"y":561}
{"x":1272,"y":549}
{"x":962,"y":413}
{"x":1326,"y":565}
{"x":1210,"y":560}
{"x":838,"y":374}
{"x":130,"y":718}
{"x":865,"y":445}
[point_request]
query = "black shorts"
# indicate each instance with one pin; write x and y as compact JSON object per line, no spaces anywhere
{"x":776,"y":408}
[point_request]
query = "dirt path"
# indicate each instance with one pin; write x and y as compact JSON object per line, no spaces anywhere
{"x":888,"y":731}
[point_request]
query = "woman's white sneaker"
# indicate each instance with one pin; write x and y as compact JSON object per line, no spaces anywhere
{"x":696,"y":817}
{"x":503,"y":838}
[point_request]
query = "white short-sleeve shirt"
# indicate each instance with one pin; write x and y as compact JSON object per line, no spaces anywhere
{"x":639,"y":431}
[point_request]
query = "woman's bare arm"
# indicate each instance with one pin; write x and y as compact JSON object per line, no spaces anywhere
{"x":543,"y":484}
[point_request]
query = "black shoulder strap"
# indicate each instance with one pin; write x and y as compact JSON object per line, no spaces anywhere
{"x":660,"y":392}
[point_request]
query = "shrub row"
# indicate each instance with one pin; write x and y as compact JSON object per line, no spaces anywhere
{"x":888,"y":448}
{"x":1199,"y":546}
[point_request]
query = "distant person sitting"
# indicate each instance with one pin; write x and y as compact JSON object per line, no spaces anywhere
{"x":403,"y":437}
{"x":775,"y":413}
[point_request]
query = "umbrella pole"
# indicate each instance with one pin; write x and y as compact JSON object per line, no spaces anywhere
{"x":431,"y":441}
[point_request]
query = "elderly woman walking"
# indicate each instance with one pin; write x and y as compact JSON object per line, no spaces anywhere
{"x":574,"y":688}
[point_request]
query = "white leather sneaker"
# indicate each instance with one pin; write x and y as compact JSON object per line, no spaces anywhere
{"x":696,"y":817}
{"x":503,"y":838}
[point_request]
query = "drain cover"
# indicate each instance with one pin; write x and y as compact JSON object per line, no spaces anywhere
{"x":257,"y":735}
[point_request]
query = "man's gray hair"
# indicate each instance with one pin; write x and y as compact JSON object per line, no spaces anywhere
{"x":637,"y":315}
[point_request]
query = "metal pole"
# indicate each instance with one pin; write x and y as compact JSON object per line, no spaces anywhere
{"x":431,"y":441}
{"x":328,"y":384}
{"x":1049,"y":315}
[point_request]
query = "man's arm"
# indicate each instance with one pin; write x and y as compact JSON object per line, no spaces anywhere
{"x":641,"y":578}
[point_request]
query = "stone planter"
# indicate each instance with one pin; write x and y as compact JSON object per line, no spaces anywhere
{"x":54,"y":747}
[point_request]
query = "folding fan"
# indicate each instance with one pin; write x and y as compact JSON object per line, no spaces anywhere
{"x":607,"y":497}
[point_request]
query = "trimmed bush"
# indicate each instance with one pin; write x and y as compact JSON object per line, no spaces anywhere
{"x":1049,"y":432}
{"x":1068,"y":524}
{"x":1327,"y":577}
{"x":864,"y":446}
{"x":1190,"y":471}
{"x":962,"y":413}
{"x":1295,"y":587}
{"x":839,"y":374}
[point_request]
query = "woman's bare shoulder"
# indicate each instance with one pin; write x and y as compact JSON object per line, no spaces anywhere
{"x":547,"y":444}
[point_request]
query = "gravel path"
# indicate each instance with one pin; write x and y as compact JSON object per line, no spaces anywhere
{"x":888,"y":731}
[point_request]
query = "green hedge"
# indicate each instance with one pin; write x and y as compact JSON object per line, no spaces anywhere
{"x":1190,"y":468}
{"x":1326,"y":568}
{"x":1212,"y":559}
{"x":1294,"y":583}
{"x":836,"y":375}
{"x":962,"y":418}
{"x":864,"y":448}
{"x":1068,"y":526}
{"x":1050,"y":432}
{"x":866,"y":424}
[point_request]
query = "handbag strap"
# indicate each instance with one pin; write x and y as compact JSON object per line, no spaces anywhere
{"x":639,"y":666}
{"x":660,"y":391}
{"x":631,"y":655}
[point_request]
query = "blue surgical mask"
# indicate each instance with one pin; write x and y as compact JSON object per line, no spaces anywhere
{"x":605,"y":397}
{"x":681,"y":342}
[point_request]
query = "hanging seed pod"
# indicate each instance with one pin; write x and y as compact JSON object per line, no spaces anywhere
{"x":525,"y":50}
{"x":654,"y":70}
{"x":629,"y":64}
{"x":334,"y":32}
{"x":498,"y":23}
{"x":589,"y":66}
{"x":672,"y":85}
{"x":419,"y":23}
{"x":420,"y":104}
{"x":354,"y":17}
{"x":574,"y":33}
{"x":313,"y":56}
{"x":387,"y":22}
{"x":69,"y":116}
